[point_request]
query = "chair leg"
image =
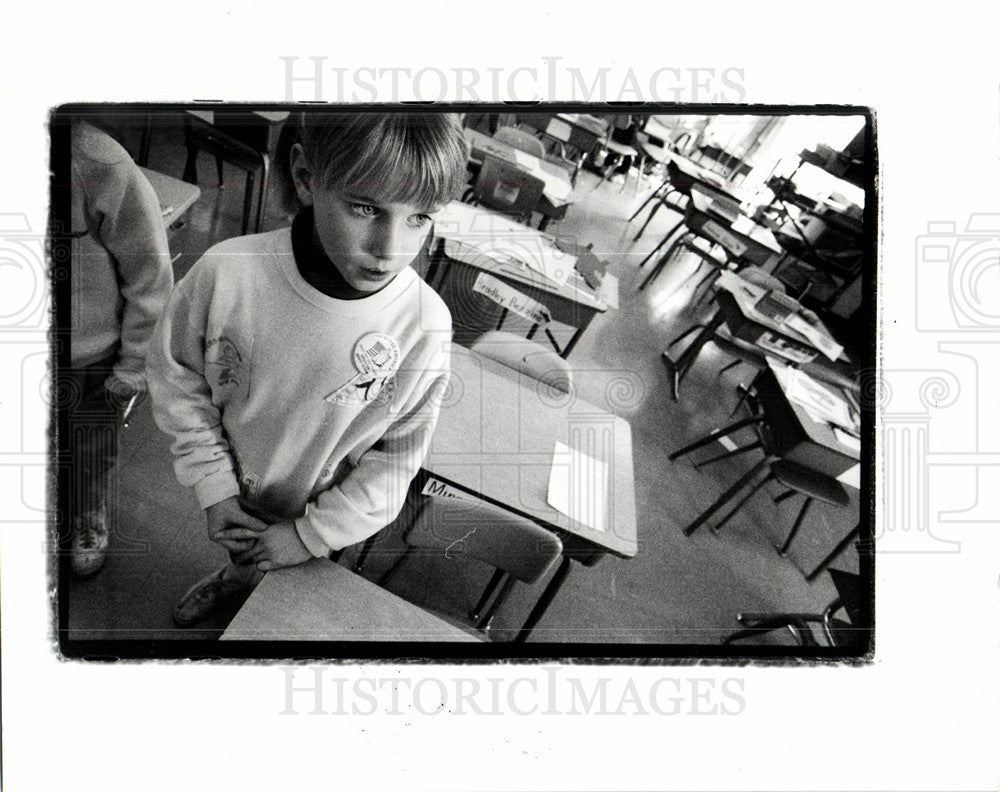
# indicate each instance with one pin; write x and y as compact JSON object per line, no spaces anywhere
{"x":842,"y":545}
{"x":248,"y":201}
{"x":726,"y":496}
{"x":652,"y":197}
{"x":262,"y":192}
{"x":392,"y":570}
{"x":649,"y":219}
{"x":743,"y":390}
{"x":366,"y":548}
{"x":753,"y":491}
{"x":709,"y":438}
{"x":783,"y":496}
{"x":191,"y":165}
{"x":491,"y":587}
{"x":660,"y":264}
{"x":685,"y":334}
{"x":487,"y":620}
{"x":562,"y":572}
{"x":729,"y":454}
{"x":662,"y":242}
{"x":726,"y":368}
{"x":783,"y":551}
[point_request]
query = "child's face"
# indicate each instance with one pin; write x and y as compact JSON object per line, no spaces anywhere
{"x":369,"y":241}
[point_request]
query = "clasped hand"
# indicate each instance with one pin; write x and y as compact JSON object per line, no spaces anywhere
{"x":251,"y":540}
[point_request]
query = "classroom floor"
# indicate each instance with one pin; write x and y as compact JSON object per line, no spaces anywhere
{"x":676,"y":590}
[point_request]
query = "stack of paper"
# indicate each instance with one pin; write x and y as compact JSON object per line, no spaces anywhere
{"x":823,"y":405}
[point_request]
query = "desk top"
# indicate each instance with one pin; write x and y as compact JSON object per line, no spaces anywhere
{"x":175,"y":196}
{"x":558,"y":187}
{"x":497,"y":244}
{"x":722,"y":205}
{"x":496,"y":435}
{"x":746,"y":295}
{"x":322,"y":601}
{"x":586,"y":122}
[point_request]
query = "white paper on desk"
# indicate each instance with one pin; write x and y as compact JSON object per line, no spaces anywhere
{"x":739,"y":287}
{"x":818,"y":401}
{"x":578,"y":486}
{"x":523,"y":159}
{"x":846,"y":439}
{"x":816,"y":337}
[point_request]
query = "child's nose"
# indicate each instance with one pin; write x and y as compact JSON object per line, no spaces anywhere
{"x":384,"y":242}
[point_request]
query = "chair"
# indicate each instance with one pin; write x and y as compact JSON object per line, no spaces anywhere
{"x":795,"y":478}
{"x":243,"y":141}
{"x":519,"y":549}
{"x":521,"y":140}
{"x":836,"y":632}
{"x":529,"y":357}
{"x":679,"y":182}
{"x":504,"y":187}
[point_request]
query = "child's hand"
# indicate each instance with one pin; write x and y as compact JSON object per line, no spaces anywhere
{"x":232,"y":527}
{"x":279,"y":546}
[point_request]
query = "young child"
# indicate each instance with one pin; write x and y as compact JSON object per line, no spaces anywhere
{"x":300,"y":371}
{"x":121,"y":282}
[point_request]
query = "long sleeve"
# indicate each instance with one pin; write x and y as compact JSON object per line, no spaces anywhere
{"x":128,"y":223}
{"x":372,"y":494}
{"x":182,"y":398}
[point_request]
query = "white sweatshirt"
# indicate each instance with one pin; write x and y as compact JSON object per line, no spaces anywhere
{"x":309,"y":408}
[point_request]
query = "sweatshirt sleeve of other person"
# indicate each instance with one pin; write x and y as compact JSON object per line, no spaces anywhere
{"x":121,"y":275}
{"x":309,"y":408}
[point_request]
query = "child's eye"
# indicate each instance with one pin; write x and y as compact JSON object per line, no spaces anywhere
{"x":419,"y":220}
{"x":364,"y":210}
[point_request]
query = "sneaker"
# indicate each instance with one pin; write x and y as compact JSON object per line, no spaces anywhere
{"x":210,"y":595}
{"x":90,"y":543}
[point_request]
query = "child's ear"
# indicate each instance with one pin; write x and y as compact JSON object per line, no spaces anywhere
{"x":302,"y":175}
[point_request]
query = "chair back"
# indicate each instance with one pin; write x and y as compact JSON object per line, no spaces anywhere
{"x":521,"y":140}
{"x":480,"y":530}
{"x":529,"y":357}
{"x":503,"y":186}
{"x":679,"y":180}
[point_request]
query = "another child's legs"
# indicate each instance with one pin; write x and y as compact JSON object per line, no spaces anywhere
{"x":93,"y":441}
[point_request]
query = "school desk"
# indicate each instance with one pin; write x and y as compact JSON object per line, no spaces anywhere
{"x":470,"y":240}
{"x":768,"y":336}
{"x":495,"y":438}
{"x":558,"y":187}
{"x":175,"y":196}
{"x":321,"y":601}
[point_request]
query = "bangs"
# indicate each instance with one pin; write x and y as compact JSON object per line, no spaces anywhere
{"x":419,"y":159}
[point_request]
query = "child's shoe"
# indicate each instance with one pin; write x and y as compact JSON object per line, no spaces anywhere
{"x":90,"y":543}
{"x":209,"y":595}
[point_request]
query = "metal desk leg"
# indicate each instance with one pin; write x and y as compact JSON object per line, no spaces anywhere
{"x":572,"y":343}
{"x":545,"y":600}
{"x":679,"y":368}
{"x":841,"y":546}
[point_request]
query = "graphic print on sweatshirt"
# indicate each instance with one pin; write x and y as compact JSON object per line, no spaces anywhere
{"x":376,"y":358}
{"x":227,"y":369}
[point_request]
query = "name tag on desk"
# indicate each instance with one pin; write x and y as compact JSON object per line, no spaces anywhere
{"x":721,"y":235}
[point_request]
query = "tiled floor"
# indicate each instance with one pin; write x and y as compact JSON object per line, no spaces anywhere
{"x":676,"y":590}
